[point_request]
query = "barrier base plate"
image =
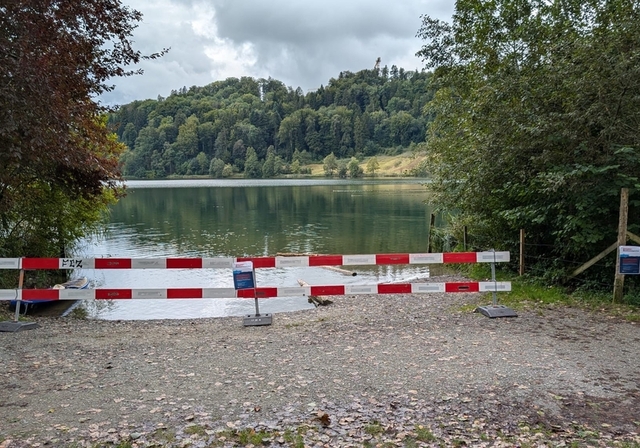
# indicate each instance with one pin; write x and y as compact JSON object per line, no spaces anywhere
{"x":251,"y":320}
{"x":496,"y":311}
{"x":10,"y":326}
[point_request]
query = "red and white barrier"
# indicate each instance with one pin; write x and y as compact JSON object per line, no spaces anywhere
{"x":260,"y":292}
{"x":258,"y":262}
{"x":34,"y":295}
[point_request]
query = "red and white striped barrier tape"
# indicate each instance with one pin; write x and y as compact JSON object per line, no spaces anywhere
{"x":258,"y":262}
{"x":260,"y":292}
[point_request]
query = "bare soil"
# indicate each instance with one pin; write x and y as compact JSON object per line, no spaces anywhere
{"x":397,"y":370}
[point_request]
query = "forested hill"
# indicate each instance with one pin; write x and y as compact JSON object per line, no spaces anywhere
{"x":236,"y":125}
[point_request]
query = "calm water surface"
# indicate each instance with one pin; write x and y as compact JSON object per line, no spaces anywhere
{"x":234,"y":218}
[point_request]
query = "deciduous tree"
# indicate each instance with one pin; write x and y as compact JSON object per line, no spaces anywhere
{"x":330,"y":164}
{"x":355,"y":170}
{"x":373,"y":165}
{"x":216,"y":167}
{"x":252,"y":166}
{"x":56,"y":58}
{"x":537,"y":119}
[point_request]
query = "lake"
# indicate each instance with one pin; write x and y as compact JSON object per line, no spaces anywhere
{"x":236,"y":218}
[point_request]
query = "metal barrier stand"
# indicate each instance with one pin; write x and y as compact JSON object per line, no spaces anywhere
{"x":16,"y":324}
{"x":256,"y":319}
{"x":495,"y":310}
{"x":244,"y":279}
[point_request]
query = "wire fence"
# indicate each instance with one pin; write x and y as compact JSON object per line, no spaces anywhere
{"x":539,"y":262}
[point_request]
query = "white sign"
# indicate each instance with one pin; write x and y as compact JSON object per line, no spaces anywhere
{"x":629,"y":251}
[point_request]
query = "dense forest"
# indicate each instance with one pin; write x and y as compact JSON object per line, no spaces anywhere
{"x":262,"y":128}
{"x":535,"y":127}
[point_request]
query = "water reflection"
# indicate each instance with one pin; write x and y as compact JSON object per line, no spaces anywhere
{"x":213,"y":218}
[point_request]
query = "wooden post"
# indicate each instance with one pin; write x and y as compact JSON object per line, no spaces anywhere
{"x":633,"y":237}
{"x":594,"y":260}
{"x":316,"y":300}
{"x":521,"y":251}
{"x":618,"y":283}
{"x":432,"y":223}
{"x":340,"y":270}
{"x":464,"y":238}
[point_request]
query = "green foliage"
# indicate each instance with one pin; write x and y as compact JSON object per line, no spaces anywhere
{"x":536,"y":122}
{"x":357,"y":113}
{"x":532,"y":292}
{"x":422,"y":170}
{"x":273,"y":165}
{"x":294,"y":439}
{"x":342,"y":169}
{"x":355,"y":170}
{"x":216,"y":168}
{"x":59,"y":160}
{"x":252,"y":166}
{"x":79,"y":312}
{"x":250,"y":436}
{"x":227,"y":171}
{"x":373,"y":165}
{"x":195,"y":430}
{"x":295,"y":167}
{"x":424,"y":434}
{"x":202,"y":163}
{"x":330,"y":164}
{"x":44,"y":221}
{"x":373,"y":428}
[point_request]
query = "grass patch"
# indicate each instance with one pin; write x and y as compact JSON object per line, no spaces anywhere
{"x":424,"y":434}
{"x":79,"y":312}
{"x":293,"y":439}
{"x":165,"y":435}
{"x":124,"y":445}
{"x":528,"y":292}
{"x":6,"y":314}
{"x":195,"y":430}
{"x":250,"y":436}
{"x":373,"y":428}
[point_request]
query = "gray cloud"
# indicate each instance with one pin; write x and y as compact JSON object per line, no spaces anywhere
{"x":313,"y":22}
{"x":301,"y":43}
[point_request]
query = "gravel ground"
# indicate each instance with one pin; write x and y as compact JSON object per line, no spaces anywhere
{"x":397,"y":370}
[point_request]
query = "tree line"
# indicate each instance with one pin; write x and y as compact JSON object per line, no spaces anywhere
{"x":262,"y":128}
{"x":536,"y":126}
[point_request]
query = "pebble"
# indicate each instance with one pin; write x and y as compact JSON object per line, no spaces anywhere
{"x":405,"y":370}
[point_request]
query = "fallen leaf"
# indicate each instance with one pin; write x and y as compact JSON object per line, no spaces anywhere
{"x":324,"y":418}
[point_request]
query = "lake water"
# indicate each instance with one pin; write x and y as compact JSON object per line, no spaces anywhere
{"x":236,"y":218}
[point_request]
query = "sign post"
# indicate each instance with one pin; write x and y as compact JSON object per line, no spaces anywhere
{"x":244,"y":277}
{"x":495,"y":310}
{"x":16,"y":324}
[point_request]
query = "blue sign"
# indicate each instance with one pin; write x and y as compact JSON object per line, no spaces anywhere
{"x":630,"y":265}
{"x":243,"y":275}
{"x":629,"y":260}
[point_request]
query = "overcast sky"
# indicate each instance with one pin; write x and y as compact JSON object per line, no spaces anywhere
{"x":302,"y":43}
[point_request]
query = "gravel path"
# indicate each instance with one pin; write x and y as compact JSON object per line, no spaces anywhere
{"x":401,"y":370}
